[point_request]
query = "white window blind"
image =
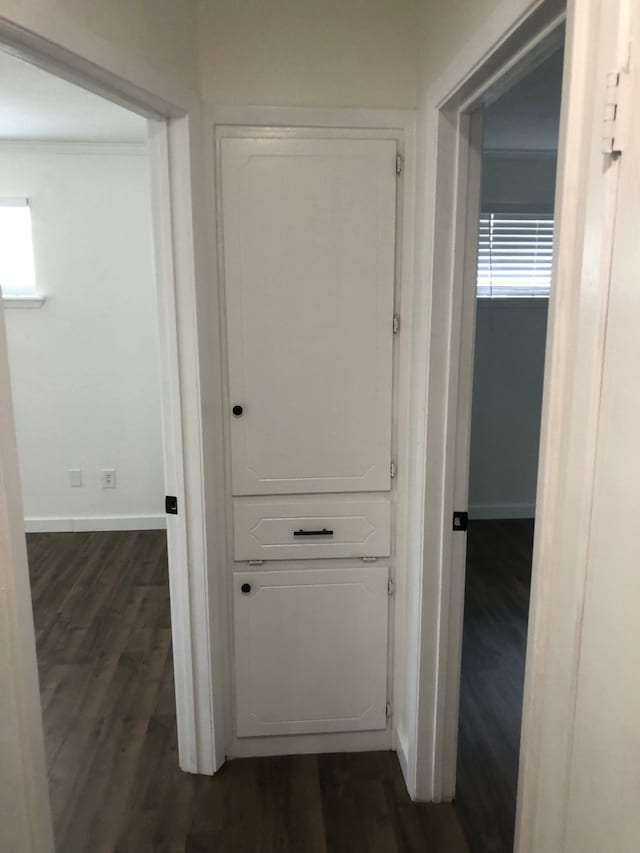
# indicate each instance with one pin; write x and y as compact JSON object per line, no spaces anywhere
{"x":17,"y":273}
{"x":514,"y":255}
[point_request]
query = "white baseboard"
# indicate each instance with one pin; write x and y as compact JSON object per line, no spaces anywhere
{"x":87,"y":524}
{"x":402,"y":751}
{"x":251,"y":747}
{"x":481,"y":512}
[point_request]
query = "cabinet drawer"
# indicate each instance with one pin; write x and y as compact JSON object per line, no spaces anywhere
{"x":267,"y":529}
{"x":310,"y":650}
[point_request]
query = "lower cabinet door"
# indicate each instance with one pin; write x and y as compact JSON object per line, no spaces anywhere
{"x":311,"y":650}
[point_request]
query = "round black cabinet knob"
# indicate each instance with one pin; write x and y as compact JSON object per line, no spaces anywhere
{"x":246,"y":588}
{"x":237,"y":411}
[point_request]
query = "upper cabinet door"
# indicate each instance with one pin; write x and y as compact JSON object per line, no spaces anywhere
{"x":309,"y":256}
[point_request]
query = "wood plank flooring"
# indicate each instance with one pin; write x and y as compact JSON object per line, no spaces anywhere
{"x":493,"y":655}
{"x":101,"y":610}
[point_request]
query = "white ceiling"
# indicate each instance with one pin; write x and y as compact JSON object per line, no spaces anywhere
{"x":36,"y":105}
{"x":527,"y":117}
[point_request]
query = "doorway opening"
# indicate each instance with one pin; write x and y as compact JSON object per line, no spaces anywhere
{"x":165,"y":184}
{"x":81,"y":320}
{"x":509,"y":284}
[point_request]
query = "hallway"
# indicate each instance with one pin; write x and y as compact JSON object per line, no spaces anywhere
{"x":101,"y":607}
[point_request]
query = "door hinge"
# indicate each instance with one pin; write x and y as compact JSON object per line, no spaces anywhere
{"x":396,"y":324}
{"x":616,"y":112}
{"x":171,"y":504}
{"x":387,"y":711}
{"x":399,"y":164}
{"x":460,"y":520}
{"x":391,"y":586}
{"x":392,"y":470}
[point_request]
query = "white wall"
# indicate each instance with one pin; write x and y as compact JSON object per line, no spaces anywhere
{"x":84,"y":367}
{"x":155,"y":33}
{"x":305,"y":53}
{"x":446,"y":28}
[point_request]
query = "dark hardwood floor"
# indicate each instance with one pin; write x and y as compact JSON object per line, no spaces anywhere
{"x":493,"y":655}
{"x":101,"y":609}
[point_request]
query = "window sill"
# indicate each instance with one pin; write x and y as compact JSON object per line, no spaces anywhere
{"x":23,"y":301}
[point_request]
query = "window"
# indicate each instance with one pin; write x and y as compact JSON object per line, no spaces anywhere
{"x":17,"y":273}
{"x":514,"y":255}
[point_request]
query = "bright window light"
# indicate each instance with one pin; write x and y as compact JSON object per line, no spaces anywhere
{"x":17,"y":273}
{"x":515,"y":252}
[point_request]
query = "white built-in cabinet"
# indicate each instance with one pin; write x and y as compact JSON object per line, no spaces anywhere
{"x":310,"y":650}
{"x":307,"y":241}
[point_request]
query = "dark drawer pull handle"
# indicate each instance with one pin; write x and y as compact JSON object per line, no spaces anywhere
{"x":323,"y":532}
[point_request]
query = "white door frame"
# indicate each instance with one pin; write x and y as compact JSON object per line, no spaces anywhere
{"x":597,"y":40}
{"x":191,"y":461}
{"x":516,"y":35}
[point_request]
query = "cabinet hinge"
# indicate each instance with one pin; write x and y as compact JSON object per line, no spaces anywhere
{"x":396,"y":324}
{"x":399,"y":164}
{"x":369,"y":559}
{"x":616,"y":112}
{"x":255,"y":562}
{"x":392,"y":470}
{"x":387,"y":711}
{"x":391,"y":586}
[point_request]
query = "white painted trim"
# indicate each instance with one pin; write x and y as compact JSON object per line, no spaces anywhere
{"x":172,"y":174}
{"x":42,"y":146}
{"x":458,"y":413}
{"x":93,"y":523}
{"x":506,"y":19}
{"x":25,"y":819}
{"x":479,"y":512}
{"x":597,"y":40}
{"x":55,"y":43}
{"x":401,"y":125}
{"x":320,"y":117}
{"x":23,"y":301}
{"x":505,"y":39}
{"x":402,"y":751}
{"x":249,"y":747}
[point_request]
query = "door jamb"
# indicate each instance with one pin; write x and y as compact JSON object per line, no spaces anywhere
{"x":471,"y":130}
{"x":507,"y":41}
{"x":175,"y":160}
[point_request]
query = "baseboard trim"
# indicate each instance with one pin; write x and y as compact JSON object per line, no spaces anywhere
{"x":88,"y":524}
{"x":482,"y":512}
{"x":250,"y":747}
{"x":402,"y":751}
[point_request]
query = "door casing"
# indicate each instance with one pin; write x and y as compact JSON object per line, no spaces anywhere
{"x":597,"y":40}
{"x":174,"y":136}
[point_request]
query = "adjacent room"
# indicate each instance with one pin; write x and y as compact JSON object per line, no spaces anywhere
{"x":76,"y":267}
{"x":519,"y":153}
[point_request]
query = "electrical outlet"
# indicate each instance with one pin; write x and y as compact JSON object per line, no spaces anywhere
{"x":108,"y":478}
{"x":75,"y":478}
